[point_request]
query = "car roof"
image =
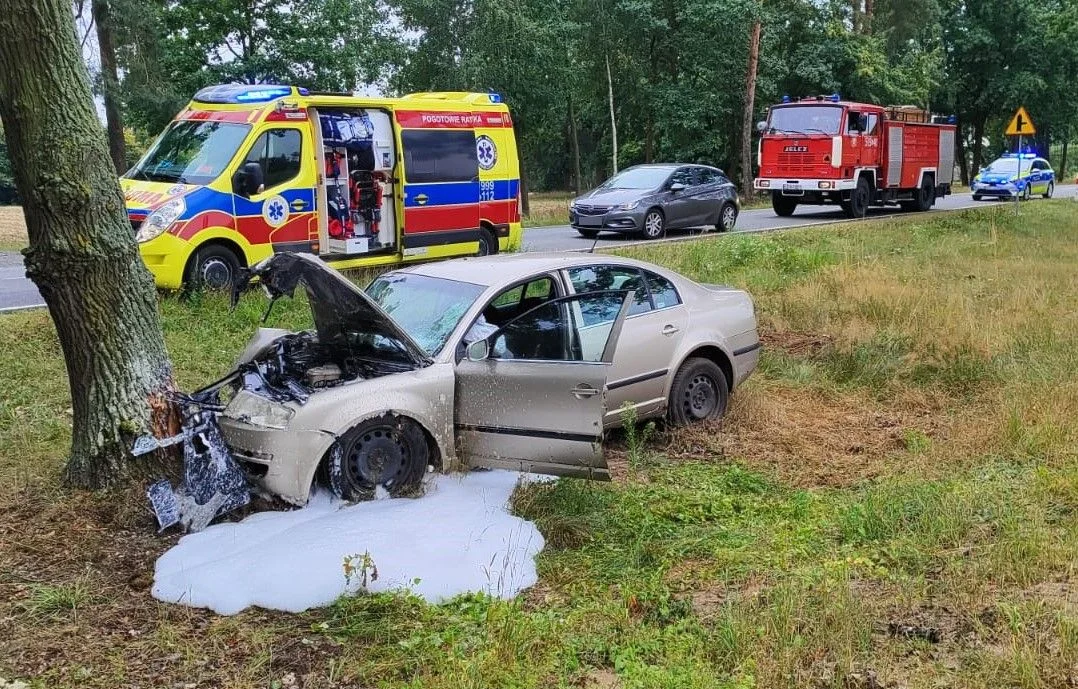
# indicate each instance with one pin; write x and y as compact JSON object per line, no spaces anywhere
{"x":504,"y":269}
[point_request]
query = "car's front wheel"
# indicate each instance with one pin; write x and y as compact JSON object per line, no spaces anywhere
{"x":727,"y":217}
{"x":1050,"y":190}
{"x":1025,"y":192}
{"x":699,"y":392}
{"x":588,"y":234}
{"x":386,"y":451}
{"x":212,"y":267}
{"x":976,"y":197}
{"x":654,"y":224}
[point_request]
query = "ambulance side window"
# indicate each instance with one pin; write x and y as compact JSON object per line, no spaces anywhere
{"x":278,"y":151}
{"x":440,"y":155}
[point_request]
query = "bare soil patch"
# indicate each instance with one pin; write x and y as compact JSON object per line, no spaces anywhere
{"x":12,"y":228}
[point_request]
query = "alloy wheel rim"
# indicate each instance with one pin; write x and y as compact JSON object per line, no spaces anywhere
{"x":653,"y":224}
{"x":728,"y":218}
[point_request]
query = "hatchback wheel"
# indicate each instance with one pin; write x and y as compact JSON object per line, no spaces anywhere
{"x":1051,"y":190}
{"x":699,"y":392}
{"x":386,"y":451}
{"x":654,"y":224}
{"x":1025,"y":192}
{"x":727,"y":217}
{"x":588,"y":234}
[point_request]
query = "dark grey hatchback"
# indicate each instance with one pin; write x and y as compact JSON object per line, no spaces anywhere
{"x":651,"y":199}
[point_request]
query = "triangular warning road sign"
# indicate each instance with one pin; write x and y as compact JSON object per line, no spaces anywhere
{"x":1020,"y":124}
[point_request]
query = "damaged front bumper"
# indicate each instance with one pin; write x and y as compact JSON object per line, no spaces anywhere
{"x":289,"y":481}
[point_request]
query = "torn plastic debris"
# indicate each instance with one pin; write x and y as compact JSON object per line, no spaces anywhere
{"x":213,"y":482}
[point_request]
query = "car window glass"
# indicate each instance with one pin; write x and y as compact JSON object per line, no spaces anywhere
{"x":710,"y":176}
{"x":509,"y":304}
{"x":662,"y":290}
{"x":446,"y":155}
{"x":684,"y":176}
{"x":602,"y":277}
{"x":278,"y":153}
{"x":555,"y":331}
{"x":872,"y":120}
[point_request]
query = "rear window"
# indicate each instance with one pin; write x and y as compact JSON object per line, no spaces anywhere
{"x":439,"y":156}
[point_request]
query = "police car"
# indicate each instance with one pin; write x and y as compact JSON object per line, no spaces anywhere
{"x":1021,"y":174}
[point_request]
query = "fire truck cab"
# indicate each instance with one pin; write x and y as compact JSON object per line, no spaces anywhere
{"x":824,"y":150}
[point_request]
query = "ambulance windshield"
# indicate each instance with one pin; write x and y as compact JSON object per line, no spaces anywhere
{"x":190,"y":152}
{"x":806,"y":119}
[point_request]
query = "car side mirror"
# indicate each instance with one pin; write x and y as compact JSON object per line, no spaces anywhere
{"x":248,"y":180}
{"x":761,"y":126}
{"x":676,"y":187}
{"x":478,"y":350}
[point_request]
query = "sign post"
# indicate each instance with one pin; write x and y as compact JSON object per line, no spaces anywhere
{"x":1021,"y":125}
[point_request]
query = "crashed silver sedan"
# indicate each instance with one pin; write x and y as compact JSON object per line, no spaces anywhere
{"x":516,"y":361}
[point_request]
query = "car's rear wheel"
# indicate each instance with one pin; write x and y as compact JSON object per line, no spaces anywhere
{"x":727,"y":217}
{"x":784,"y":205}
{"x":699,"y":392}
{"x":588,"y":234}
{"x":488,"y":244}
{"x":654,"y":224}
{"x":386,"y":451}
{"x":212,"y":267}
{"x":1050,"y":190}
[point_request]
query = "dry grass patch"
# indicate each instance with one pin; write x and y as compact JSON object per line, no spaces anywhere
{"x":12,"y":228}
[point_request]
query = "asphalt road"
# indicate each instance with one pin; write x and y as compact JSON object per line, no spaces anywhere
{"x":17,"y":292}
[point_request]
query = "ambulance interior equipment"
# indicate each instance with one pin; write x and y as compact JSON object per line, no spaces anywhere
{"x":356,"y":156}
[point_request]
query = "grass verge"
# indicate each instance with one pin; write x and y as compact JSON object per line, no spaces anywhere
{"x":892,"y":500}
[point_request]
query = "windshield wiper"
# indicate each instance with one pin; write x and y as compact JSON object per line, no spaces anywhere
{"x":790,"y":131}
{"x":814,"y":129}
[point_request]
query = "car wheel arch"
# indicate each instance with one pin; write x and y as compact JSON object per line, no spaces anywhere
{"x":711,"y":352}
{"x":223,"y":242}
{"x":438,"y":452}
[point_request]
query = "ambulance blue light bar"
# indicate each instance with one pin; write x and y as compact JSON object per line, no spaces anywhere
{"x":495,"y":97}
{"x":244,"y":93}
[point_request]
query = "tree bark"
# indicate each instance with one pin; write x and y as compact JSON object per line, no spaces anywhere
{"x":110,"y":82}
{"x":613,"y":120}
{"x":82,"y":255}
{"x":978,"y":142}
{"x":866,"y":18}
{"x":575,"y":140}
{"x":525,"y":205}
{"x":1063,"y":158}
{"x":750,"y":104}
{"x":960,"y":153}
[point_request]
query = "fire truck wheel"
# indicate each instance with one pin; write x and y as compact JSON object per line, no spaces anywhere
{"x":927,"y":195}
{"x":212,"y":267}
{"x":859,"y":199}
{"x":784,"y":206}
{"x":727,"y":217}
{"x":1051,"y":190}
{"x":654,"y":224}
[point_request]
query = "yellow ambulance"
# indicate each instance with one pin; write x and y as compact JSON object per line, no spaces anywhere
{"x":248,"y":170}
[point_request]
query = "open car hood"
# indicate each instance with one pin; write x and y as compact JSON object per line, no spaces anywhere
{"x":342,"y":311}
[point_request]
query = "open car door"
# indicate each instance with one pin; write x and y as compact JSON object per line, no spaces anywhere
{"x":531,"y":396}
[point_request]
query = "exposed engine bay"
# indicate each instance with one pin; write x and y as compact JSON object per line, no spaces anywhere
{"x":353,"y":340}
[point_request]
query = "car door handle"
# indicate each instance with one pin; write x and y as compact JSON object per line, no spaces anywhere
{"x":584,"y":390}
{"x":298,"y":205}
{"x":669,"y":330}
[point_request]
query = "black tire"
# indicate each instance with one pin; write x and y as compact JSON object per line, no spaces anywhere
{"x":784,"y":205}
{"x":859,"y":199}
{"x":699,"y":392}
{"x":1051,"y":190}
{"x":1025,"y":192}
{"x":654,"y":224}
{"x":212,"y":267}
{"x":976,"y":197}
{"x":385,"y":451}
{"x":727,"y":217}
{"x":488,"y":243}
{"x":588,"y":234}
{"x":926,"y":196}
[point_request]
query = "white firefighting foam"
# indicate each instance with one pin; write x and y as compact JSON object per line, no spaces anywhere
{"x":458,"y":538}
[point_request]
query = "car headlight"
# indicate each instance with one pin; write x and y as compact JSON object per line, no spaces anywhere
{"x":629,"y":206}
{"x":159,"y":221}
{"x":258,"y":411}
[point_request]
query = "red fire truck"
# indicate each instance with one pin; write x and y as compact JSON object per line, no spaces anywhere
{"x":824,"y":150}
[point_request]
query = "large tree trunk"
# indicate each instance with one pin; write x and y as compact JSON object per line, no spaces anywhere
{"x":613,"y":120}
{"x":750,"y":104}
{"x":978,"y":142}
{"x":960,"y":153}
{"x":1063,"y":158}
{"x":82,"y":255}
{"x":110,"y":83}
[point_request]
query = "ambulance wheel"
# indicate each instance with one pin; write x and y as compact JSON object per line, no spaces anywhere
{"x":784,"y":206}
{"x":1051,"y":190}
{"x":387,"y":451}
{"x":654,"y":224}
{"x":588,"y":234}
{"x":727,"y":217}
{"x":859,"y":198}
{"x":488,"y":244}
{"x":212,"y":267}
